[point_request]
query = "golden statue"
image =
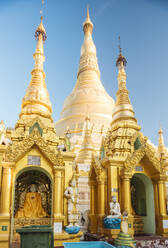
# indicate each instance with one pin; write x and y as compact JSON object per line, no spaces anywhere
{"x":32,"y":205}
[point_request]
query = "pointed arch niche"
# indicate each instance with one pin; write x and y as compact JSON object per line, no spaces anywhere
{"x":143,"y":202}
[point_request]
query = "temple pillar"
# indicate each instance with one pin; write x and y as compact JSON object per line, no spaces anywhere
{"x":5,"y":202}
{"x":162,"y":200}
{"x":59,"y":218}
{"x":57,"y":193}
{"x":93,"y":206}
{"x":126,"y":196}
{"x":112,"y":182}
{"x":101,"y":197}
{"x":126,"y":192}
{"x":5,"y":192}
{"x":161,"y":216}
{"x":2,"y":151}
{"x":101,"y":204}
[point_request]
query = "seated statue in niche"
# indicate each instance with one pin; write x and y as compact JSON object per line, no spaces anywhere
{"x":113,"y":220}
{"x":32,"y":205}
{"x":114,"y":208}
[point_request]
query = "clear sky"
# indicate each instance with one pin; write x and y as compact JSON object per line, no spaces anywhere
{"x":142,"y":25}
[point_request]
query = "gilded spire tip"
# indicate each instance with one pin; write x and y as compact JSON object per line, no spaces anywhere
{"x":160,"y":131}
{"x":87,"y":24}
{"x":121,"y":58}
{"x":88,"y":16}
{"x":119,"y":45}
{"x":161,"y":146}
{"x":40,"y":29}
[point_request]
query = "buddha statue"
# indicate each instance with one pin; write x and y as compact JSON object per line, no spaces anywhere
{"x":32,"y":205}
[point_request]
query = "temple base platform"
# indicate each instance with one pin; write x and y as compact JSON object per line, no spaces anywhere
{"x":146,"y":241}
{"x":149,"y":241}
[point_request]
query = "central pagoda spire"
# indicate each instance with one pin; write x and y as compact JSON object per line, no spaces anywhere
{"x":88,"y":59}
{"x":88,"y":97}
{"x":36,"y":101}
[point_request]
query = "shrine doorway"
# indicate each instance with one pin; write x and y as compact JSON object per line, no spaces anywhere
{"x":32,"y":200}
{"x":142,"y":199}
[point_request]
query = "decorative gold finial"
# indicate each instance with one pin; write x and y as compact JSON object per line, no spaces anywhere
{"x":119,"y":45}
{"x":121,"y":59}
{"x":41,"y":11}
{"x":160,"y":131}
{"x":88,"y":16}
{"x":161,"y":146}
{"x":87,"y":25}
{"x":41,"y":29}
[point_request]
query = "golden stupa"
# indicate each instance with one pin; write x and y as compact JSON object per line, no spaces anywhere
{"x":88,"y":98}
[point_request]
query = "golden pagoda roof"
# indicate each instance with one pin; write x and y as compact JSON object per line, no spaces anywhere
{"x":36,"y":100}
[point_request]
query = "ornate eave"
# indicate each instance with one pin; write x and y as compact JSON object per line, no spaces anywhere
{"x":16,"y":151}
{"x":145,"y":150}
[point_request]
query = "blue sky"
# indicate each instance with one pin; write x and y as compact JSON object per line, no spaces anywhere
{"x":142,"y":26}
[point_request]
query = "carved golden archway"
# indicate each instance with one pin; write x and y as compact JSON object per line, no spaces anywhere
{"x":144,"y":150}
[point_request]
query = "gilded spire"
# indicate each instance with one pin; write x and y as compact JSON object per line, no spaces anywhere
{"x":122,"y":94}
{"x":36,"y":100}
{"x":87,"y":25}
{"x":123,"y":109}
{"x":88,"y":49}
{"x":161,"y":146}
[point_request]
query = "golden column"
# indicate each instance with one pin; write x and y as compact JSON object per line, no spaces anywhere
{"x":112,"y":182}
{"x":101,"y":197}
{"x":162,"y":202}
{"x":92,"y":197}
{"x":5,"y":199}
{"x":126,"y":196}
{"x":5,"y":192}
{"x":126,"y":192}
{"x":101,"y":201}
{"x":58,"y":196}
{"x":2,"y":151}
{"x":93,"y":206}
